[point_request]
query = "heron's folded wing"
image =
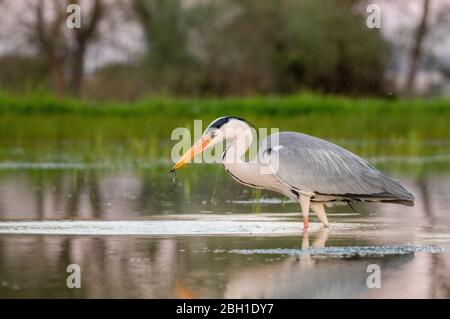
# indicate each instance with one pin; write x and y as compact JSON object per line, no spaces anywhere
{"x":315,"y":165}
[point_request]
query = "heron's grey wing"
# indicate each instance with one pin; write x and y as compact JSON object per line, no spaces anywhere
{"x":314,"y":165}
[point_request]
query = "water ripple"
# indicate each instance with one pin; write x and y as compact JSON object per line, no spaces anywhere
{"x":361,"y":251}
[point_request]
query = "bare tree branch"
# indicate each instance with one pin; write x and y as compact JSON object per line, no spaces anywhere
{"x":417,"y":49}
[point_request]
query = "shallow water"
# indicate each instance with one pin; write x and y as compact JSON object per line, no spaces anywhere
{"x":136,"y":234}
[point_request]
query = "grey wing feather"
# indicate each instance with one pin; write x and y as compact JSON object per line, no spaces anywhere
{"x":314,"y":165}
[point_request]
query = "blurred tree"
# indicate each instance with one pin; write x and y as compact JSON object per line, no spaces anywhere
{"x":219,"y":47}
{"x":42,"y":25}
{"x":237,"y":45}
{"x":62,"y":45}
{"x":48,"y":35}
{"x":82,"y":38}
{"x":166,"y":25}
{"x":420,"y":41}
{"x":326,"y":45}
{"x":416,"y":51}
{"x":241,"y":47}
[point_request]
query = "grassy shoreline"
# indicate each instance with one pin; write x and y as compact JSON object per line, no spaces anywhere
{"x":46,"y":129}
{"x":305,"y":103}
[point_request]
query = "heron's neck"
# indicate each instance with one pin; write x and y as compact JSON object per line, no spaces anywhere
{"x":245,"y":172}
{"x":239,"y":145}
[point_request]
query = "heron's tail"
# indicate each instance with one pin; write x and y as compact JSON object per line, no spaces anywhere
{"x":398,"y":201}
{"x":398,"y":192}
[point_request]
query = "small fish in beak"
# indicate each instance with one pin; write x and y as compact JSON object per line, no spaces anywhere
{"x":174,"y":175}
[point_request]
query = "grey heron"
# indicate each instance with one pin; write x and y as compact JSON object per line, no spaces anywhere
{"x":305,"y":168}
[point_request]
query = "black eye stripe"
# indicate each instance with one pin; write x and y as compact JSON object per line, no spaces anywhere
{"x":223,"y":120}
{"x":219,"y":122}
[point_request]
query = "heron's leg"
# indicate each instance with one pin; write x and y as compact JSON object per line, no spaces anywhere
{"x":319,"y":209}
{"x":322,"y":238}
{"x":320,"y":241}
{"x":305,"y":260}
{"x":304,"y":203}
{"x":305,"y":241}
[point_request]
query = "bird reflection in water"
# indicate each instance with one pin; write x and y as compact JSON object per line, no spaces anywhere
{"x":308,"y":275}
{"x":319,"y":241}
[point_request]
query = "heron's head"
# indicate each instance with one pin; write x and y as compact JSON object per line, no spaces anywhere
{"x":221,"y":129}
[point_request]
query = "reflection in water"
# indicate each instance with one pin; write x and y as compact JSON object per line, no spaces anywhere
{"x":187,"y":267}
{"x":98,"y":194}
{"x":202,"y":266}
{"x":309,"y":277}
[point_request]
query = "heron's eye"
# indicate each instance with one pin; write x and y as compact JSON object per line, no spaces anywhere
{"x":213,"y":135}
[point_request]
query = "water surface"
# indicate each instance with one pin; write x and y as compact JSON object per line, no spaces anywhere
{"x":134,"y":233}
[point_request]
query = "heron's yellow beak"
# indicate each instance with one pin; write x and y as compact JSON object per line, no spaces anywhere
{"x":197,"y":148}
